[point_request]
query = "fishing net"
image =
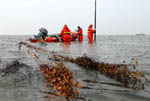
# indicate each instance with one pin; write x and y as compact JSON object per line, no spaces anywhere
{"x":61,"y":80}
{"x":126,"y":74}
{"x":56,"y":76}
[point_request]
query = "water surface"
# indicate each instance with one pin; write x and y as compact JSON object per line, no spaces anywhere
{"x":26,"y":83}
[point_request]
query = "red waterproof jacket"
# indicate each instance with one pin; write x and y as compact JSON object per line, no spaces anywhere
{"x":90,"y":33}
{"x":80,"y":35}
{"x":65,"y":32}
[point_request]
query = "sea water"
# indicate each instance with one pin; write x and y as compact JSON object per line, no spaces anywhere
{"x":26,"y":83}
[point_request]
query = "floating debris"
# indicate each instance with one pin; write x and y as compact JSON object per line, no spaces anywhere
{"x":58,"y":77}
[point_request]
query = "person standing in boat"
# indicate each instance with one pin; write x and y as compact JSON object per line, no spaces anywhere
{"x":79,"y":33}
{"x":42,"y":33}
{"x":90,"y":33}
{"x":66,"y":34}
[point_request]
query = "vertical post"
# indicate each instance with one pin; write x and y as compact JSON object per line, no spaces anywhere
{"x":95,"y":22}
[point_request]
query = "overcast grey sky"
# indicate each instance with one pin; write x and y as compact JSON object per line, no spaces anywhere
{"x":114,"y":17}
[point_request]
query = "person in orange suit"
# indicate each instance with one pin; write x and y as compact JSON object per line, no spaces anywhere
{"x":79,"y":33}
{"x":65,"y":33}
{"x":90,"y":33}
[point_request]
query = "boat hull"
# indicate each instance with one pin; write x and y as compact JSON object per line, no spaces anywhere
{"x":53,"y":38}
{"x":48,"y":39}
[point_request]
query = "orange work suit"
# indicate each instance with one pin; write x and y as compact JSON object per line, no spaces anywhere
{"x":90,"y":34}
{"x":65,"y":32}
{"x":80,"y":35}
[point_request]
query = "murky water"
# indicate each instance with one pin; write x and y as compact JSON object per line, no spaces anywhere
{"x":24,"y":80}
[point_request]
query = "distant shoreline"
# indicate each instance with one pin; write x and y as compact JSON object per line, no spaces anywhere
{"x":140,"y":34}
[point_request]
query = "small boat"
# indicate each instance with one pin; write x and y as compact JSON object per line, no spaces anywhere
{"x":52,"y":38}
{"x":48,"y":39}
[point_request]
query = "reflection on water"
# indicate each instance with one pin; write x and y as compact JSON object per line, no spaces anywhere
{"x":65,"y":45}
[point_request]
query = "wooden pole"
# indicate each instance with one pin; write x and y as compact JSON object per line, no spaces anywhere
{"x":95,"y":22}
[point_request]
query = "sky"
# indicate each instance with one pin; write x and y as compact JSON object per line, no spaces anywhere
{"x":114,"y":17}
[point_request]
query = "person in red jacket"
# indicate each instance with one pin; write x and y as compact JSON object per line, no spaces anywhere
{"x":79,"y":33}
{"x":90,"y":33}
{"x":65,"y":33}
